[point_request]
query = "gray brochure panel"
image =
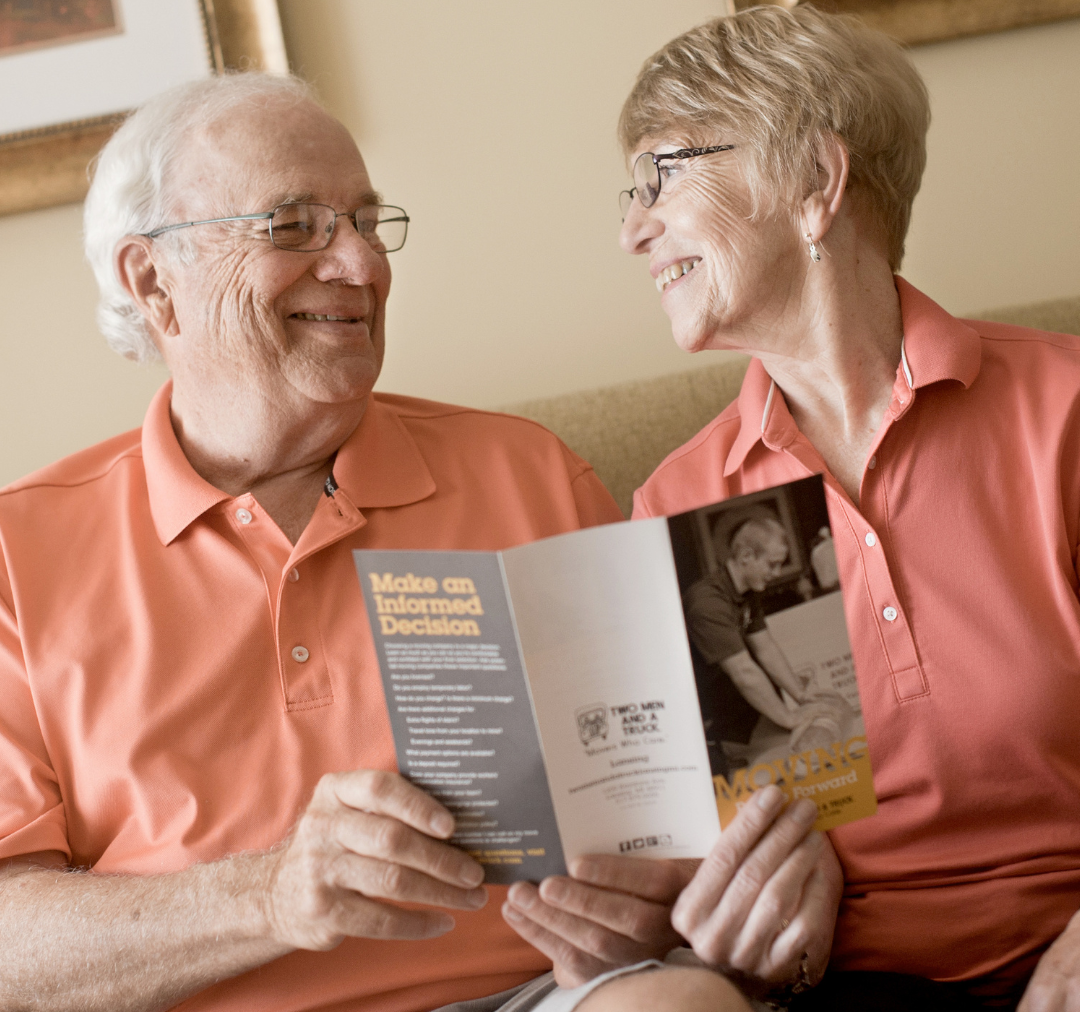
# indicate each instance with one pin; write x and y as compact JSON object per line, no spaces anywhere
{"x":459,"y":705}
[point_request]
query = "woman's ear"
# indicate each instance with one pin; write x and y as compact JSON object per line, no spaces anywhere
{"x":138,"y":265}
{"x":821,"y":206}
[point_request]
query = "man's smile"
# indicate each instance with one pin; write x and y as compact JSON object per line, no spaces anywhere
{"x":327,"y":317}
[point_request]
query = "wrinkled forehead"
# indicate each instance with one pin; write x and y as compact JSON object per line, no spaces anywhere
{"x":265,"y":153}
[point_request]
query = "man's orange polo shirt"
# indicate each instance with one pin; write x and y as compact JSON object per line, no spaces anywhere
{"x":960,"y":585}
{"x":176,"y":676}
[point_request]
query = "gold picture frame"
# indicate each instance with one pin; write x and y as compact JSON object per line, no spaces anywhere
{"x":42,"y":168}
{"x":916,"y":22}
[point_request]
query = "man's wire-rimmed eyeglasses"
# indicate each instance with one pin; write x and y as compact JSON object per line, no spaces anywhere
{"x":308,"y":228}
{"x":648,"y":174}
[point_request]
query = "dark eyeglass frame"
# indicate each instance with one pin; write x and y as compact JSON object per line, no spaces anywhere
{"x":269,"y":215}
{"x":643,"y":194}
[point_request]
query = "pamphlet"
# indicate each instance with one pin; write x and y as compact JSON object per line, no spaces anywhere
{"x":623,"y":689}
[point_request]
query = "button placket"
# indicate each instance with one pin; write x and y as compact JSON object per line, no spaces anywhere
{"x":302,"y":669}
{"x":878,"y":591}
{"x":305,"y":676}
{"x":304,"y":665}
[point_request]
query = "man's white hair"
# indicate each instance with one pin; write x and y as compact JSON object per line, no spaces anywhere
{"x":132,"y":188}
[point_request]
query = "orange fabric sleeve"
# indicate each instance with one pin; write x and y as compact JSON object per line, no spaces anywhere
{"x":31,"y":811}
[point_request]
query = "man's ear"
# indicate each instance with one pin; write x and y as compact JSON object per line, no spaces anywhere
{"x":821,"y":206}
{"x":138,"y":266}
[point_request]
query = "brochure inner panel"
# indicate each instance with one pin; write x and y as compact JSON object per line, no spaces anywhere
{"x":601,"y":629}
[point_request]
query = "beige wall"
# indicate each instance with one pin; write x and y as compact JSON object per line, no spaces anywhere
{"x":493,"y":124}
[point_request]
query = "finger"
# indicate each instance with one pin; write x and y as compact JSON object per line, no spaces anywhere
{"x":765,"y":860}
{"x":753,"y":826}
{"x":363,"y":918}
{"x":773,"y":930}
{"x":642,"y":920}
{"x":383,"y":793}
{"x":390,"y":881}
{"x":572,"y":965}
{"x":701,"y":896}
{"x":811,"y":928}
{"x":392,"y":841}
{"x":713,"y":932}
{"x":817,"y":911}
{"x":785,"y":835}
{"x":587,"y":936}
{"x":1044,"y":996}
{"x":659,"y":881}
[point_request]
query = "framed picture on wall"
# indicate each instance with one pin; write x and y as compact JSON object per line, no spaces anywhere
{"x":76,"y":67}
{"x":919,"y":21}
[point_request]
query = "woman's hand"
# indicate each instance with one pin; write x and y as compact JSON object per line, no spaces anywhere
{"x":1055,"y":985}
{"x":762,"y":906}
{"x":611,"y":912}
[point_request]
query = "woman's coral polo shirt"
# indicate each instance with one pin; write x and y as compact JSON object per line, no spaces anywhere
{"x":960,"y":585}
{"x":157,"y":710}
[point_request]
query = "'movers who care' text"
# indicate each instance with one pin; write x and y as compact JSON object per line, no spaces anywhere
{"x":399,"y":596}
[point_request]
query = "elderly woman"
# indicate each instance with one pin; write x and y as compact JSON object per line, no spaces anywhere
{"x":776,"y":155}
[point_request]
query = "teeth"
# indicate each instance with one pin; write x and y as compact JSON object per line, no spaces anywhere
{"x":674,"y":272}
{"x":326,"y":316}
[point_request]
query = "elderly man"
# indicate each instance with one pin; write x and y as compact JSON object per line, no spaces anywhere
{"x":192,"y":712}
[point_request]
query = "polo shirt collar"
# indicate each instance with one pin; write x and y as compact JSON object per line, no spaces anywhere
{"x":757,"y":397}
{"x":936,"y":347}
{"x":379,"y":465}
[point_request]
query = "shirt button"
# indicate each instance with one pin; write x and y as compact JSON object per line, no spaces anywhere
{"x":243,"y":516}
{"x":872,"y":463}
{"x":300,"y":654}
{"x":294,"y":575}
{"x":889,"y":614}
{"x":871,"y":539}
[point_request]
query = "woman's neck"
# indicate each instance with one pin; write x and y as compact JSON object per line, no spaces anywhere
{"x":837,"y":365}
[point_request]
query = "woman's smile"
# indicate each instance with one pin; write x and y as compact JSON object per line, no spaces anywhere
{"x":675,"y":272}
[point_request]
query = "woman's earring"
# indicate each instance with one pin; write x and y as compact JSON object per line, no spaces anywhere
{"x":814,"y":254}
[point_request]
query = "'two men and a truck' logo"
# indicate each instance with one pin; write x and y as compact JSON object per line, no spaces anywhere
{"x":592,"y":723}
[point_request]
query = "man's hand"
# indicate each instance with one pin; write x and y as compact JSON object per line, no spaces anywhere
{"x":369,"y":836}
{"x":1055,"y":985}
{"x":613,"y":911}
{"x":766,"y":895}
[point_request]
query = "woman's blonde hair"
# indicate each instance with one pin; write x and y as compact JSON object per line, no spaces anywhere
{"x":776,"y":82}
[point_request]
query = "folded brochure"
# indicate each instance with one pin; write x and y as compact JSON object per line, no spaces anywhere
{"x":624,"y":689}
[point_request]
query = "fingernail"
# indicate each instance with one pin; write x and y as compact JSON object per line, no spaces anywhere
{"x":445,"y":923}
{"x":521,"y":896}
{"x":511,"y":914}
{"x":476,"y":898}
{"x":804,"y":812}
{"x":769,"y":798}
{"x":442,"y":824}
{"x":554,"y":890}
{"x":471,"y":875}
{"x":584,"y":869}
